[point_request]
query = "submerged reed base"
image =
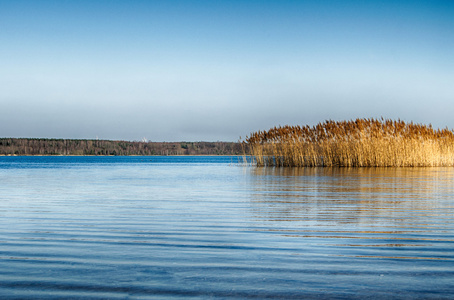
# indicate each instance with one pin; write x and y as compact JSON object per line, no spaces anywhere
{"x":358,"y":143}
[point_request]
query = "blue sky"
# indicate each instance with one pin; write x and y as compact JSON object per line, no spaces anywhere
{"x":218,"y":70}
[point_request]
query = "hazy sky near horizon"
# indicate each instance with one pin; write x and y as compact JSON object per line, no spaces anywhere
{"x":218,"y":70}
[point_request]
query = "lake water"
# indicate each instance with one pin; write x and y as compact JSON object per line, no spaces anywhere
{"x":209,"y":227}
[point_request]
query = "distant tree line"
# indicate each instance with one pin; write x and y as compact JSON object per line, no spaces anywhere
{"x":22,"y":146}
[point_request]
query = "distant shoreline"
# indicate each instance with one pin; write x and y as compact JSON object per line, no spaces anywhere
{"x":80,"y":147}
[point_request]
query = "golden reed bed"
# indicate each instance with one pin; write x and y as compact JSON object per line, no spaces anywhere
{"x":358,"y":143}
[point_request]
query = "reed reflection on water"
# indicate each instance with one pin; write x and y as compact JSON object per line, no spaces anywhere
{"x":360,"y":207}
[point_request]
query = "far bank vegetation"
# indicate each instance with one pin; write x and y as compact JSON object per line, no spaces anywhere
{"x":23,"y":146}
{"x":355,"y":143}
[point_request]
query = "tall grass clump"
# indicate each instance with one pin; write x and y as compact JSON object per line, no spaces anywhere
{"x":355,"y":143}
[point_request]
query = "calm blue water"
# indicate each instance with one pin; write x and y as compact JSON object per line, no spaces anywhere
{"x":208,"y":227}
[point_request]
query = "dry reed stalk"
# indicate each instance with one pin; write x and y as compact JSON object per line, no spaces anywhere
{"x":358,"y":143}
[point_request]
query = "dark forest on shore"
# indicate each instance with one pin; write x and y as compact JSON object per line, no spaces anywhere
{"x":24,"y":146}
